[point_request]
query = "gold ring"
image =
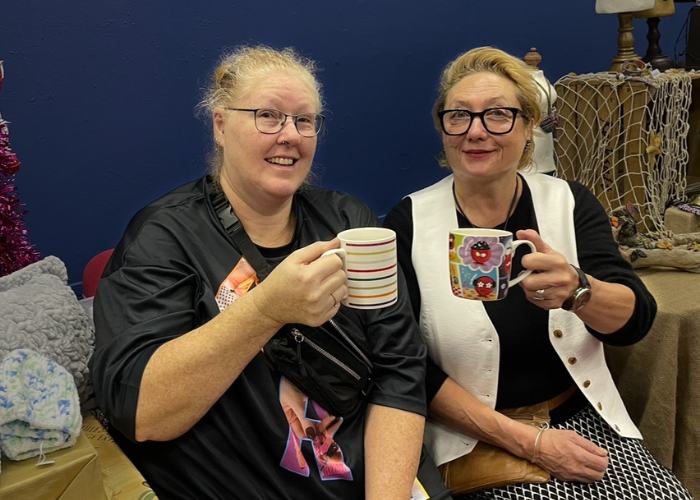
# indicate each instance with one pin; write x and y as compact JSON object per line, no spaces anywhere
{"x":335,"y":301}
{"x":539,"y":294}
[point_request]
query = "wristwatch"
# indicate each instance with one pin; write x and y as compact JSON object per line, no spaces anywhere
{"x":581,"y":295}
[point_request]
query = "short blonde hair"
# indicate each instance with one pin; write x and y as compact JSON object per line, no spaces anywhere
{"x":492,"y":60}
{"x":239,"y":70}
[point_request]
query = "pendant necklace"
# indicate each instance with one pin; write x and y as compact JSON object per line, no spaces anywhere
{"x":510,"y":208}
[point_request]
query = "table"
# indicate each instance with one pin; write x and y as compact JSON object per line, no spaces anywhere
{"x":659,"y":377}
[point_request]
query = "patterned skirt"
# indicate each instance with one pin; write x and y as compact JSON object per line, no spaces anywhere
{"x":632,"y":472}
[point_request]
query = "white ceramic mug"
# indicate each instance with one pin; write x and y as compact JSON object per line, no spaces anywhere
{"x":480,"y":263}
{"x":369,"y":261}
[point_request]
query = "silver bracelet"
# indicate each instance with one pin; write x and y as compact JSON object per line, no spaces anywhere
{"x":538,"y":438}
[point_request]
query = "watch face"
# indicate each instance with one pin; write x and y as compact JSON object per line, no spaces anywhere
{"x":581,"y":298}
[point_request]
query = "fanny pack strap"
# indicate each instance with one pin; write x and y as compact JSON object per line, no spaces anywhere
{"x":240,"y":239}
{"x":235,"y":231}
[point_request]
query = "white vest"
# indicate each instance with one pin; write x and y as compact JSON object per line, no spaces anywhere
{"x":459,"y":334}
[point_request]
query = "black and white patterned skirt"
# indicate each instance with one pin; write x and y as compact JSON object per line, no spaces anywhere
{"x":632,"y":472}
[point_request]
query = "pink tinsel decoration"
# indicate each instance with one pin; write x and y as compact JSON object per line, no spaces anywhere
{"x":9,"y":164}
{"x":15,"y":249}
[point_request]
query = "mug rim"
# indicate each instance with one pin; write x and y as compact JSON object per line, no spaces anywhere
{"x":480,"y":231}
{"x":383,"y":235}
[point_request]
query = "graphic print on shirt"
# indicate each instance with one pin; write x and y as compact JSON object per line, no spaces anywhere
{"x":310,"y":422}
{"x":238,"y":282}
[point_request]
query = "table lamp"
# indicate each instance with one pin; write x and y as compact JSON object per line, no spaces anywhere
{"x":654,"y":56}
{"x":626,"y":11}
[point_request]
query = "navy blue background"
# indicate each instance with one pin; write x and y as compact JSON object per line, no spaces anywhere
{"x":101,"y":95}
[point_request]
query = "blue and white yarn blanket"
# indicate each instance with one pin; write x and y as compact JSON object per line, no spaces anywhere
{"x":39,"y":405}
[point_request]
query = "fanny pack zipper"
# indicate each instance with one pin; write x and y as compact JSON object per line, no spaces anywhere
{"x":300,"y":338}
{"x":357,"y":350}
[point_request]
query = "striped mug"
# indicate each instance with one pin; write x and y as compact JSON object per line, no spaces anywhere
{"x":369,"y":261}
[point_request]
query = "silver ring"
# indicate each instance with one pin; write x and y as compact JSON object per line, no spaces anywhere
{"x":539,"y":294}
{"x":335,"y":301}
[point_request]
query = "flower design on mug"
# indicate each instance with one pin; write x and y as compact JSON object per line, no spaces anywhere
{"x":478,"y":253}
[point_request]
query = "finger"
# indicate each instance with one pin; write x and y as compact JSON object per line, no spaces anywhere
{"x":326,"y":266}
{"x":598,"y":464}
{"x":539,"y":261}
{"x":590,"y":446}
{"x":592,"y":473}
{"x":534,"y":237}
{"x":335,"y":283}
{"x":335,"y":302}
{"x":536,"y":281}
{"x":312,"y":252}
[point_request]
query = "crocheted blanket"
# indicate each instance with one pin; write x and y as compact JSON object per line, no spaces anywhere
{"x":39,"y":408}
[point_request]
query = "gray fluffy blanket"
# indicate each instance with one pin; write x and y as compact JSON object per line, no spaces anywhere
{"x":39,"y":311}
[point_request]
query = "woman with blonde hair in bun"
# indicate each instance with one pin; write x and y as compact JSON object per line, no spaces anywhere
{"x":181,"y":316}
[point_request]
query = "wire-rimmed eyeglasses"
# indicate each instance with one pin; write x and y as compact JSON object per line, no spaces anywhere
{"x":496,"y":121}
{"x":271,"y":121}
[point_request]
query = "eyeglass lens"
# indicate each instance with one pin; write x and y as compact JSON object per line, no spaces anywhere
{"x":271,"y":121}
{"x":495,"y":120}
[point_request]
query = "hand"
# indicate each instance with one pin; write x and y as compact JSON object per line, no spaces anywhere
{"x":553,"y":276}
{"x":571,"y":457}
{"x":304,"y":288}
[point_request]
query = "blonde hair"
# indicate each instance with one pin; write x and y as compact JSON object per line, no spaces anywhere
{"x":237,"y":73}
{"x":491,"y":60}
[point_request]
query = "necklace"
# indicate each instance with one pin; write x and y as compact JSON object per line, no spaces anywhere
{"x":510,"y":208}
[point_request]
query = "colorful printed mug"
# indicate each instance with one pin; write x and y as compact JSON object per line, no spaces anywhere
{"x":480,"y":263}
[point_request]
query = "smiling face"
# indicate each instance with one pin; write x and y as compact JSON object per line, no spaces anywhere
{"x":266,"y":168}
{"x":479,"y":154}
{"x":484,"y":285}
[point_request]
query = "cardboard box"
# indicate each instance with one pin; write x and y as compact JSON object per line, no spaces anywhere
{"x":122,"y":481}
{"x":74,"y":475}
{"x":94,"y":469}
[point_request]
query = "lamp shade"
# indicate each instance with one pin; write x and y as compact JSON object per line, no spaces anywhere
{"x":617,"y":6}
{"x":661,"y":8}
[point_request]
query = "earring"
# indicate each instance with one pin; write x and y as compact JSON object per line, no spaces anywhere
{"x":528,"y":146}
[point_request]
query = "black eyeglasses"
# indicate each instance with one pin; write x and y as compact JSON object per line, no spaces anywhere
{"x":271,"y":121}
{"x":496,"y":121}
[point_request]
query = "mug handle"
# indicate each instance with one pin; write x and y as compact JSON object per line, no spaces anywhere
{"x":526,"y":273}
{"x":340,"y":253}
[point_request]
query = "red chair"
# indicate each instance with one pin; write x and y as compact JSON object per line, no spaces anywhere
{"x":93,"y":272}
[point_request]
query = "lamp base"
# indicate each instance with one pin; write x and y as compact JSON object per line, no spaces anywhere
{"x":625,"y":43}
{"x":654,"y":56}
{"x":662,"y":63}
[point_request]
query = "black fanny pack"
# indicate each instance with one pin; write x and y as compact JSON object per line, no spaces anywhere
{"x":323,"y":362}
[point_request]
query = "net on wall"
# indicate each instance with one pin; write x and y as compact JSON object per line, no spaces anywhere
{"x":625,"y":139}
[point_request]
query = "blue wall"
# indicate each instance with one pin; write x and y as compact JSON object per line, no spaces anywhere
{"x":101,"y":94}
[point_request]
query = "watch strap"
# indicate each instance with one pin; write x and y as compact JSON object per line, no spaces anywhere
{"x":584,"y":287}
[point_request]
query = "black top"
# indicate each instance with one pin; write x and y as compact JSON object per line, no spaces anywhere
{"x":530,"y":370}
{"x":161,"y":282}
